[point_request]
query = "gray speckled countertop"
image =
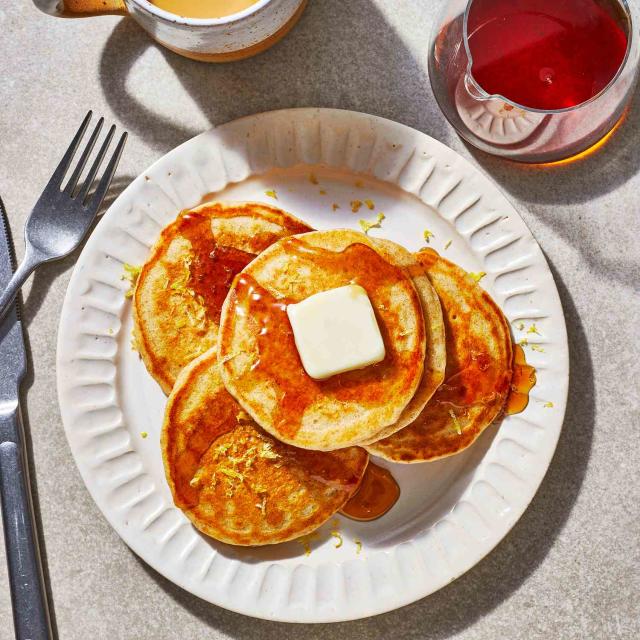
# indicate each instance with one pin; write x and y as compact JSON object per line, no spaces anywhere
{"x":570,"y":569}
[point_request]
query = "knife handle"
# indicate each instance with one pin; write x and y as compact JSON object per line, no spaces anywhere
{"x":28,"y":596}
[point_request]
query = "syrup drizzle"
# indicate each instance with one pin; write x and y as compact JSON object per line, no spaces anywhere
{"x":213,"y":266}
{"x":523,"y":380}
{"x":378,"y":492}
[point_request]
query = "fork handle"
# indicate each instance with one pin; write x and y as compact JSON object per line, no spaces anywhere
{"x":26,"y":268}
{"x":28,"y":595}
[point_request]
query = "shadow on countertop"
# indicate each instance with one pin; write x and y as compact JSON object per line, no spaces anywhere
{"x":364,"y":66}
{"x":494,"y":579}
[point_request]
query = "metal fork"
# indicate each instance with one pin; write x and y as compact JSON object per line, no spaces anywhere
{"x":62,"y":216}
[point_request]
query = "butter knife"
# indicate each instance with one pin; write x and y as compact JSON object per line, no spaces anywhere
{"x":28,"y":595}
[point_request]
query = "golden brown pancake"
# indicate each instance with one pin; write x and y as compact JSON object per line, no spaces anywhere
{"x":235,"y":482}
{"x":436,"y":354}
{"x":183,"y":284}
{"x":259,"y":360}
{"x":478,"y":374}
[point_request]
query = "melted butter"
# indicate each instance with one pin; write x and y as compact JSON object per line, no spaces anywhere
{"x":523,"y":380}
{"x":277,"y":361}
{"x":378,"y":492}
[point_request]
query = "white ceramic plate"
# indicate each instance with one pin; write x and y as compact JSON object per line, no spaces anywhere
{"x":452,"y":512}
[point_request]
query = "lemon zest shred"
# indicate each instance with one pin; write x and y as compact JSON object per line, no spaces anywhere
{"x":338,"y":536}
{"x":143,"y":434}
{"x":231,"y":473}
{"x":242,"y":416}
{"x":222,"y":449}
{"x":533,"y":329}
{"x":448,"y":244}
{"x":537,"y":347}
{"x":456,"y":422}
{"x":367,"y":225}
{"x":131,"y":271}
{"x":520,"y":326}
{"x":358,"y":545}
{"x":131,"y":274}
{"x":427,"y":235}
{"x":271,"y":193}
{"x":548,"y":405}
{"x":524,"y":342}
{"x":262,"y":505}
{"x":266,"y":451}
{"x":477,"y":276}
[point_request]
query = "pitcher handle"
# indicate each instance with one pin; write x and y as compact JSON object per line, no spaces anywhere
{"x":82,"y":8}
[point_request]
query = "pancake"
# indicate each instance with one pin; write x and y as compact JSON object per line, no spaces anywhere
{"x":436,"y":354}
{"x":478,"y":374}
{"x":235,"y":482}
{"x":259,"y":360}
{"x":183,"y":284}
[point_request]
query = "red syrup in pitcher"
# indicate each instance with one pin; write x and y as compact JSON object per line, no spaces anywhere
{"x":546,"y":54}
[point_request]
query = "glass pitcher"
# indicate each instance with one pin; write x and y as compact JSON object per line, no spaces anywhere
{"x":501,"y":126}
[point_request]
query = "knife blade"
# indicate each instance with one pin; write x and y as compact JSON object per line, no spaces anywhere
{"x":12,"y":348}
{"x":28,"y":595}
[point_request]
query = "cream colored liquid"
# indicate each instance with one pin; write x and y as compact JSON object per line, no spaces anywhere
{"x":203,"y":8}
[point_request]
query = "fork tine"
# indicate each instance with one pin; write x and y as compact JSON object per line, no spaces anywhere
{"x":101,"y":190}
{"x":73,"y":180}
{"x":86,"y":185}
{"x":61,"y":169}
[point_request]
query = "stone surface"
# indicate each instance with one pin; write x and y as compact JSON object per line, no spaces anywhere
{"x":570,"y":567}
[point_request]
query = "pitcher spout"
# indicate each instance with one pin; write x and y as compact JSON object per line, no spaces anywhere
{"x":474,"y":89}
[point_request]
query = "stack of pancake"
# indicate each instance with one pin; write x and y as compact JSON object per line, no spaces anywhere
{"x":255,"y":450}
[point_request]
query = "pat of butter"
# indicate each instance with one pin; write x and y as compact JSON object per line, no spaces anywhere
{"x":336,"y":331}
